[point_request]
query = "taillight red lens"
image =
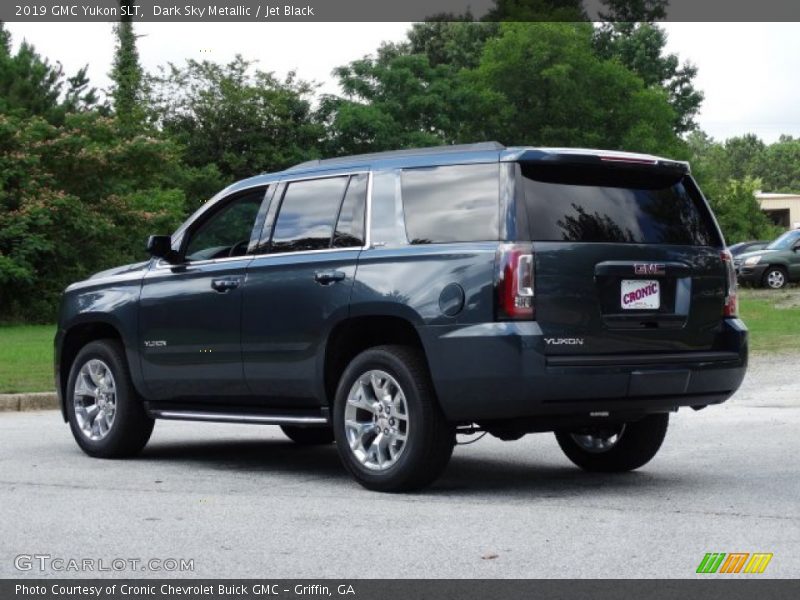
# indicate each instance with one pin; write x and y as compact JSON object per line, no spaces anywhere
{"x":731,"y":306}
{"x":514,"y":282}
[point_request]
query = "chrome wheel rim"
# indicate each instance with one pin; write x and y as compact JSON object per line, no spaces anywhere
{"x":376,"y":420}
{"x":95,"y":399}
{"x":597,"y":443}
{"x":775,"y":279}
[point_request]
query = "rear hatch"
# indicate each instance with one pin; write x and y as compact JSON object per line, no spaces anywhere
{"x":627,"y":258}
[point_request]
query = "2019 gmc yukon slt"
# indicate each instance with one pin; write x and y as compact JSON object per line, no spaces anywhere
{"x":388,"y":302}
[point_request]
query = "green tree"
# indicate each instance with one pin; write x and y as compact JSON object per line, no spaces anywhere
{"x":243,"y":120}
{"x":127,"y":76}
{"x":743,"y":156}
{"x":75,"y":199}
{"x":30,"y":85}
{"x":399,"y":100}
{"x":739,"y":215}
{"x":640,"y":47}
{"x":779,"y":166}
{"x":570,"y":96}
{"x":457,"y":43}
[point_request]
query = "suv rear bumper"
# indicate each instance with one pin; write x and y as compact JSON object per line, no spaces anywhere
{"x":499,"y":371}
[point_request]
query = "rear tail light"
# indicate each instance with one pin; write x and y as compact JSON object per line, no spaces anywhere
{"x":514,"y":282}
{"x":731,"y":307}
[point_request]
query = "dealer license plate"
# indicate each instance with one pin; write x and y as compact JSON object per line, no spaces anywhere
{"x":640,"y":294}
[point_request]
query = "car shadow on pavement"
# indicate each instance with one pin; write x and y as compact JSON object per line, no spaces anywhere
{"x":465,"y":476}
{"x":255,"y":456}
{"x":470,"y":475}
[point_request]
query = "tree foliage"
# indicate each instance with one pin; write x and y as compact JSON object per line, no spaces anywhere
{"x":738,"y":212}
{"x":31,"y":86}
{"x":570,"y":96}
{"x":127,"y":76}
{"x":75,"y":199}
{"x":234,"y":116}
{"x":640,"y":47}
{"x":731,"y":172}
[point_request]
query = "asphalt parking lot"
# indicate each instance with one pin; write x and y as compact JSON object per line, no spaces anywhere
{"x":243,"y":501}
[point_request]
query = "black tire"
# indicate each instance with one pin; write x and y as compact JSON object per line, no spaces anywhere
{"x":131,"y":427}
{"x":309,"y":436}
{"x":431,"y":438}
{"x":637,"y":445}
{"x":775,"y":272}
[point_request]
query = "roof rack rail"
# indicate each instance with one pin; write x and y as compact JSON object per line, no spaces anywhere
{"x":476,"y":147}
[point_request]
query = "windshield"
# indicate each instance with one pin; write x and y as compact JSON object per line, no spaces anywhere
{"x":785,"y":241}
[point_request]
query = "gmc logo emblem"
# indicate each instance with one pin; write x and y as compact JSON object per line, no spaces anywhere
{"x":649,"y":269}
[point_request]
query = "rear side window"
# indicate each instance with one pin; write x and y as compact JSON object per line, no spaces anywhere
{"x":350,"y":225}
{"x":307,"y":215}
{"x":451,"y":204}
{"x":614,"y":204}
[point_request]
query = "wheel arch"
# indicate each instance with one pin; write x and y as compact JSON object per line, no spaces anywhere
{"x":75,"y":337}
{"x":353,"y":335}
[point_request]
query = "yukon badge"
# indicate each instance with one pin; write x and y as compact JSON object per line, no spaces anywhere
{"x":564,"y":341}
{"x":154,"y":343}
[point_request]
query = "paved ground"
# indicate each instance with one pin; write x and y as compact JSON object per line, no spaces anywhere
{"x":243,"y":501}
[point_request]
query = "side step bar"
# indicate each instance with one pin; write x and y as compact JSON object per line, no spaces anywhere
{"x":259,"y":418}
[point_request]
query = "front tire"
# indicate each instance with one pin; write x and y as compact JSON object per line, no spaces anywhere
{"x":106,"y":416}
{"x":390,"y":432}
{"x":775,"y":278}
{"x":617,"y":449}
{"x":308,"y":436}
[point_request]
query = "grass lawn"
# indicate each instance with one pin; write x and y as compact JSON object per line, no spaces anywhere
{"x":26,"y":358}
{"x":773,"y":318}
{"x":26,"y":351}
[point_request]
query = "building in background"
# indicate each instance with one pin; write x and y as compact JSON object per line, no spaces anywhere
{"x":783,"y":209}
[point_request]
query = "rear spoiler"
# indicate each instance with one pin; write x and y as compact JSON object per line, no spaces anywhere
{"x":598,"y":157}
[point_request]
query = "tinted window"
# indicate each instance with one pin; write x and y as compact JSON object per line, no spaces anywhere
{"x":350,"y":226}
{"x":227,"y":231}
{"x":785,"y":241}
{"x":307,"y":214}
{"x":451,"y":204}
{"x":591,"y":204}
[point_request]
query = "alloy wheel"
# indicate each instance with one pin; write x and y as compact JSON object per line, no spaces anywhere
{"x":376,"y":420}
{"x":95,"y":399}
{"x":599,"y":441}
{"x":776,"y":279}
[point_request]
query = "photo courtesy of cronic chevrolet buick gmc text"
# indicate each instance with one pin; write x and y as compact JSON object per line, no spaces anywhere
{"x":391,"y":301}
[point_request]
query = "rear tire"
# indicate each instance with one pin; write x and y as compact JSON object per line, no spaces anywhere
{"x":309,"y":436}
{"x":105,"y":414}
{"x":775,"y":278}
{"x":599,"y":451}
{"x":390,"y":432}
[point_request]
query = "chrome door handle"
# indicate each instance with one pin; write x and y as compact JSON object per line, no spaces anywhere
{"x":223,"y":285}
{"x":328,"y":277}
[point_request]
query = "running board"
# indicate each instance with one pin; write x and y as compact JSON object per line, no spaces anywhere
{"x":258,"y":418}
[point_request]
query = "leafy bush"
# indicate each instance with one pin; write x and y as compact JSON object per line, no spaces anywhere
{"x":76,"y":199}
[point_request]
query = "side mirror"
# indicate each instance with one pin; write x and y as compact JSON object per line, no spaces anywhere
{"x":160,"y":246}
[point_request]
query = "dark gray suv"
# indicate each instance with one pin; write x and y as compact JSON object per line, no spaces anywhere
{"x":393,"y":301}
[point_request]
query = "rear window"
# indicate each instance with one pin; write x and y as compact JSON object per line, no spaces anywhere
{"x":614,"y":204}
{"x":451,"y":204}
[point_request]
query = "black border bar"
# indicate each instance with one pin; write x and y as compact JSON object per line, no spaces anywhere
{"x":367,"y":10}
